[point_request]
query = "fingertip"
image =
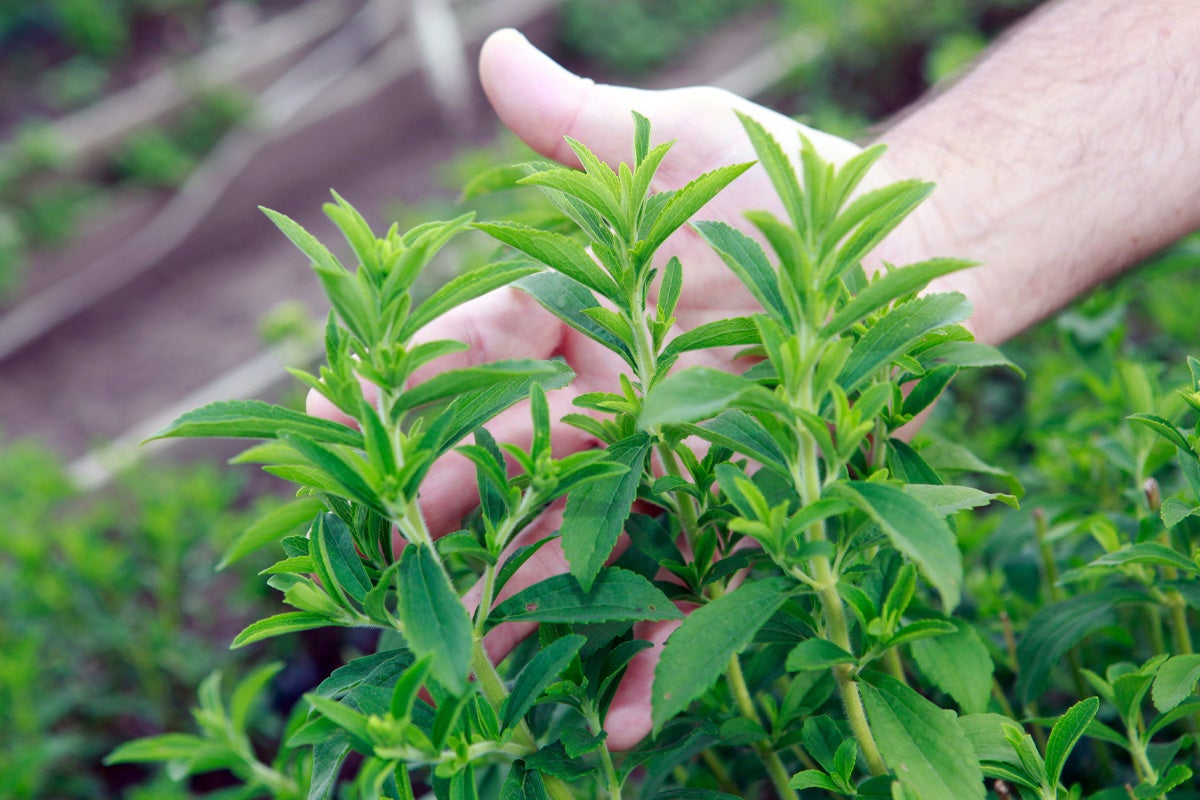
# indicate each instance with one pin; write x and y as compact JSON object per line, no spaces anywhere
{"x":531,"y":93}
{"x":318,"y":405}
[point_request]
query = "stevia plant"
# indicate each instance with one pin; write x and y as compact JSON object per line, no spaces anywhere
{"x":815,"y":549}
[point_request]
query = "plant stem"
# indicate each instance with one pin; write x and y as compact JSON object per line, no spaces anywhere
{"x":686,"y":503}
{"x":766,"y":753}
{"x":647,"y":364}
{"x":741,"y":692}
{"x":556,"y":788}
{"x":836,"y":628}
{"x":494,"y":691}
{"x":503,"y":533}
{"x":895,"y":665}
{"x":610,"y":771}
{"x":718,"y":770}
{"x":839,"y":634}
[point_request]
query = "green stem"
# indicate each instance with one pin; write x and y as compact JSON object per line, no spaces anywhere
{"x":895,"y":665}
{"x":494,"y":691}
{"x":1137,"y":749}
{"x":766,"y":753}
{"x":687,"y":505}
{"x":610,"y":771}
{"x":556,"y":788}
{"x":485,"y":601}
{"x":741,"y":692}
{"x":836,"y":627}
{"x":503,"y":533}
{"x":412,"y":524}
{"x":839,"y":633}
{"x":719,"y":772}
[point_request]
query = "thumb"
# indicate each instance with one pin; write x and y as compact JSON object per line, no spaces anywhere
{"x":541,"y":102}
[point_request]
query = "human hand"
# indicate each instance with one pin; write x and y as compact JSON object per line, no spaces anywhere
{"x":542,"y":103}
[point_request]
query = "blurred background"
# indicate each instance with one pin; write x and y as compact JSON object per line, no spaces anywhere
{"x":138,"y":280}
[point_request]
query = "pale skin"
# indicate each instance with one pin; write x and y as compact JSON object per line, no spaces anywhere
{"x":1068,"y":153}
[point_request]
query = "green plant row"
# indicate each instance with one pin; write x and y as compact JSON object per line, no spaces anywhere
{"x":830,"y":646}
{"x":112,"y":614}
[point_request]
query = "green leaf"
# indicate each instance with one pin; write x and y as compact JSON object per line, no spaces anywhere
{"x":889,"y":286}
{"x":851,"y":173}
{"x":254,"y":419}
{"x":616,"y":595}
{"x":745,"y":257}
{"x":463,"y":543}
{"x":356,"y":230}
{"x":346,"y":471}
{"x":404,"y":693}
{"x":186,"y":748}
{"x":465,"y":287}
{"x":434,"y":619}
{"x":743,"y":434}
{"x":721,"y":333}
{"x":1174,"y":512}
{"x":967,"y":355}
{"x":523,"y":784}
{"x":352,"y":721}
{"x":698,"y":393}
{"x":920,"y":630}
{"x":778,"y":167}
{"x":1164,"y":429}
{"x":641,"y":138}
{"x":288,"y":622}
{"x":928,"y":389}
{"x":900,"y":329}
{"x":985,"y":732}
{"x":337,"y":558}
{"x":817,"y":653}
{"x":670,"y":289}
{"x":516,"y":559}
{"x":907,"y":465}
{"x":1151,"y":553}
{"x":872,"y":217}
{"x":1056,"y":628}
{"x":307,"y":243}
{"x":421,"y":244}
{"x":814,"y":779}
{"x":915,"y":530}
{"x":686,"y":202}
{"x":1175,"y":681}
{"x":582,"y":186}
{"x":271,"y":527}
{"x":568,"y":300}
{"x":698,"y":652}
{"x":559,"y":252}
{"x":494,"y":179}
{"x":455,"y":382}
{"x":471,"y":410}
{"x":1065,"y":734}
{"x":543,"y":669}
{"x":948,"y":499}
{"x":247,"y":693}
{"x":959,"y":664}
{"x":596,"y":512}
{"x":921,"y":743}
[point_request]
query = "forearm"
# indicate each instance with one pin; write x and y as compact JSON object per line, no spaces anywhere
{"x":1069,"y":152}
